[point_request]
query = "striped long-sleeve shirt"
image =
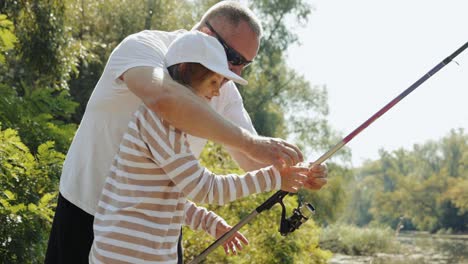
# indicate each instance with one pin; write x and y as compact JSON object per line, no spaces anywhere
{"x":145,"y":198}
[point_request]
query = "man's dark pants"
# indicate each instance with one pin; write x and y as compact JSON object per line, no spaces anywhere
{"x":72,"y":236}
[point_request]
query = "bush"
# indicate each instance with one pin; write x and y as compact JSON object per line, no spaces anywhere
{"x":351,"y":240}
{"x":38,"y":117}
{"x":28,"y":185}
{"x":266,"y":243}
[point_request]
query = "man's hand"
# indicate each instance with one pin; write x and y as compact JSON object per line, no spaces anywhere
{"x":316,"y":177}
{"x":234,"y":243}
{"x":273,"y":151}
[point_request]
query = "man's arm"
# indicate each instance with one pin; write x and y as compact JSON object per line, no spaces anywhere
{"x":183,"y":109}
{"x":244,"y":162}
{"x":234,"y":110}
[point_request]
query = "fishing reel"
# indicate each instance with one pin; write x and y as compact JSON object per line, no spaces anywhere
{"x":300,"y":215}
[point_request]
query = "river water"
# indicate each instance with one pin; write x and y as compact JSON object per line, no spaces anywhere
{"x":417,"y":248}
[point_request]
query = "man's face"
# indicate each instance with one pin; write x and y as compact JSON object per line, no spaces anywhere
{"x":241,"y":39}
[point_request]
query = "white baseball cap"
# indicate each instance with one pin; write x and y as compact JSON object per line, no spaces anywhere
{"x":198,"y":47}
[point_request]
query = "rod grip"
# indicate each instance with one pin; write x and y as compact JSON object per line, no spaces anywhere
{"x":275,"y":198}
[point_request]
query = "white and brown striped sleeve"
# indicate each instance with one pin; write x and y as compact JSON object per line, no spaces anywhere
{"x":171,"y":151}
{"x":199,"y":218}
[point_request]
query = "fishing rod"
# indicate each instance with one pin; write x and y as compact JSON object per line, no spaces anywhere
{"x":303,"y":213}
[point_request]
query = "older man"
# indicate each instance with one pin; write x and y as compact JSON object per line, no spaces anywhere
{"x":135,"y":73}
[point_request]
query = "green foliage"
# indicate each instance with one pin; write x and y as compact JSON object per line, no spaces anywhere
{"x":457,"y":194}
{"x":330,"y":201}
{"x":266,"y":243}
{"x":38,"y":117}
{"x":217,"y":159}
{"x":426,"y":186}
{"x":46,"y":54}
{"x":27,"y":107}
{"x":351,"y":240}
{"x":28,"y":185}
{"x":33,"y":85}
{"x":280,"y":102}
{"x":7,"y":38}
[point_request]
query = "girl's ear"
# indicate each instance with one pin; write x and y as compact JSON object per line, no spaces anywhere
{"x":182,"y":69}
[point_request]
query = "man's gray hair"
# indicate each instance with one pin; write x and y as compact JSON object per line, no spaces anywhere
{"x":232,"y":12}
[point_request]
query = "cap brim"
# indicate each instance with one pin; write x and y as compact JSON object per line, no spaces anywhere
{"x":236,"y":78}
{"x":230,"y":75}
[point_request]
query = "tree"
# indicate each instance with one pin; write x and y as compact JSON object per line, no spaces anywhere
{"x":7,"y":37}
{"x":28,"y":185}
{"x":35,"y":100}
{"x":45,"y":55}
{"x":33,"y":104}
{"x":424,"y":186}
{"x":276,"y":93}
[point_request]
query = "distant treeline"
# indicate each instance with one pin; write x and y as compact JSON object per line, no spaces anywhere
{"x":425,"y":188}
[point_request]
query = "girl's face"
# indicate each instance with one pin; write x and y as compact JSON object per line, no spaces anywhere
{"x":207,"y":88}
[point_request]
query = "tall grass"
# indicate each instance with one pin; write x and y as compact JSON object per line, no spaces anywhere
{"x":352,"y":240}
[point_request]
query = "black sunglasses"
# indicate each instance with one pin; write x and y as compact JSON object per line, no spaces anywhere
{"x":234,"y":57}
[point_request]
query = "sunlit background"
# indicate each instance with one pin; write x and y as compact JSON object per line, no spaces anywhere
{"x":367,"y":52}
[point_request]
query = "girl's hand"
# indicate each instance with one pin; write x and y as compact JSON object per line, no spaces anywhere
{"x":293,"y":178}
{"x":235,"y":243}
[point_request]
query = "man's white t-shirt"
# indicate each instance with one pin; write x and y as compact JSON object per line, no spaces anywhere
{"x":109,"y":110}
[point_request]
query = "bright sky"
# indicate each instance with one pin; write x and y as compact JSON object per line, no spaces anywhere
{"x":367,"y":52}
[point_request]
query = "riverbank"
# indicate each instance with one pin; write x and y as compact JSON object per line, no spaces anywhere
{"x":417,"y":248}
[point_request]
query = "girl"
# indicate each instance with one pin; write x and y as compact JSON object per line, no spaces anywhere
{"x":146,"y":197}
